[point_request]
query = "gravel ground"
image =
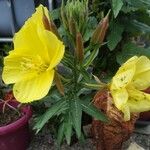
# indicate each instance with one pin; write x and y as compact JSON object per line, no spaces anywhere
{"x":44,"y":141}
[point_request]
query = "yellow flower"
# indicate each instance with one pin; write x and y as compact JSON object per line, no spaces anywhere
{"x":31,"y":64}
{"x":127,"y":85}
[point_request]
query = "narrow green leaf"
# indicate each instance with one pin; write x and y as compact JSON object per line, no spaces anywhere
{"x":92,"y":56}
{"x":90,"y":109}
{"x":60,"y":133}
{"x":116,"y":7}
{"x":76,"y":113}
{"x":115,"y":35}
{"x":141,"y":26}
{"x":141,"y":4}
{"x":52,"y":111}
{"x":68,"y":129}
{"x":85,"y":74}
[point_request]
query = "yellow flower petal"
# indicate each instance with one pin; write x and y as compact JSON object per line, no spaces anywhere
{"x":142,"y":80}
{"x":142,"y":65}
{"x":34,"y":88}
{"x":13,"y":71}
{"x":124,"y":78}
{"x":129,"y":64}
{"x":138,"y":100}
{"x":53,"y":45}
{"x":126,"y":111}
{"x":139,"y":105}
{"x":120,"y":97}
{"x":27,"y":40}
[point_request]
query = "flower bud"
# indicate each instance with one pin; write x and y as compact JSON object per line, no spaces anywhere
{"x":46,"y":22}
{"x":54,"y":29}
{"x":59,"y":84}
{"x":79,"y":47}
{"x":100,"y":31}
{"x":72,"y":27}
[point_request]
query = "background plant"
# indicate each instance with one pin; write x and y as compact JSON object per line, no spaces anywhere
{"x":73,"y":77}
{"x":128,"y":34}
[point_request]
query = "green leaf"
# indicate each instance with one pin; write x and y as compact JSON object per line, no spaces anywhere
{"x":90,"y":109}
{"x":60,"y":133}
{"x":85,"y":74}
{"x":116,"y":7}
{"x":56,"y":109}
{"x":141,"y":26}
{"x":91,"y":57}
{"x":130,"y":50}
{"x":90,"y":27}
{"x":55,"y":14}
{"x":76,"y":113}
{"x":68,"y":128}
{"x":115,"y":35}
{"x":141,"y":4}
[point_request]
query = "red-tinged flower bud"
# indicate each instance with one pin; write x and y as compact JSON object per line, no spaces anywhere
{"x":104,"y":28}
{"x":94,"y":38}
{"x":59,"y":84}
{"x":46,"y":22}
{"x":79,"y":47}
{"x":100,"y":31}
{"x":54,"y":29}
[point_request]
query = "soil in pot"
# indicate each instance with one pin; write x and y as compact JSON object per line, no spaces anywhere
{"x":8,"y":116}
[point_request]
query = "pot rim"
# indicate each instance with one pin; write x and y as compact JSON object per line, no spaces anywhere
{"x":19,"y":123}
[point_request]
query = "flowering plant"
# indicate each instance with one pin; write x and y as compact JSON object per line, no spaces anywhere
{"x":33,"y":66}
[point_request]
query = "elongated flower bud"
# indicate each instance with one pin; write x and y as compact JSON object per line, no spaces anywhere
{"x":54,"y":29}
{"x":94,"y":38}
{"x":104,"y":27}
{"x":59,"y":84}
{"x":46,"y":22}
{"x":100,"y":31}
{"x":79,"y":47}
{"x":72,"y":27}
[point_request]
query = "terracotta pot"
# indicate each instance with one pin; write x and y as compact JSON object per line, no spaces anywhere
{"x":110,"y":136}
{"x":16,"y":136}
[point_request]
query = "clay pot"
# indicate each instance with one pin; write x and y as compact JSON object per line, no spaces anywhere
{"x":110,"y":136}
{"x":16,"y":135}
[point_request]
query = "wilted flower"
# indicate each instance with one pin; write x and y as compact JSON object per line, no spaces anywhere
{"x":31,"y":64}
{"x":128,"y":84}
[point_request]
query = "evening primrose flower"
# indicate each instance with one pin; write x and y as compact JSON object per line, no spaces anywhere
{"x":31,"y":64}
{"x":128,"y":84}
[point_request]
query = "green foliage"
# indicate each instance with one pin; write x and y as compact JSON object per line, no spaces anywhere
{"x":115,"y":35}
{"x":116,"y":6}
{"x":127,"y":19}
{"x":129,"y":50}
{"x":54,"y":110}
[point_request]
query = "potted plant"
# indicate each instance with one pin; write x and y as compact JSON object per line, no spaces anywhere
{"x":33,"y":66}
{"x":14,"y":118}
{"x":14,"y":129}
{"x":122,"y":101}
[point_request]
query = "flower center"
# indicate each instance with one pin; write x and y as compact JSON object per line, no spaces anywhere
{"x":35,"y":64}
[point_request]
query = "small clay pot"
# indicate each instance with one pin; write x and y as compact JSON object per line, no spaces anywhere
{"x":16,"y":135}
{"x":112,"y":135}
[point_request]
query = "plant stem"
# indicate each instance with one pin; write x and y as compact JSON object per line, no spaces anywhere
{"x":6,"y":103}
